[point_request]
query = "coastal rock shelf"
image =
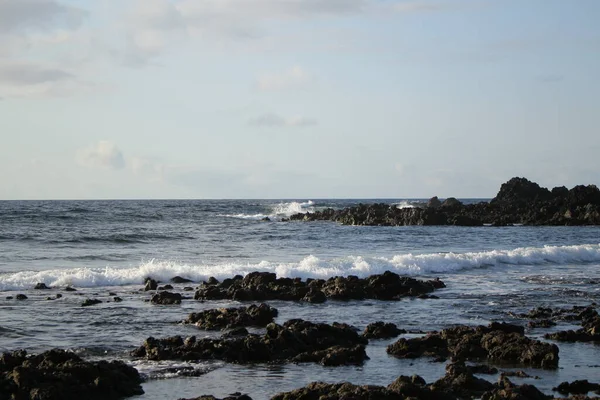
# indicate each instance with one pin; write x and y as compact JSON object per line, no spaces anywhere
{"x":519,"y":201}
{"x":260,"y":286}
{"x":294,"y":341}
{"x":60,"y":375}
{"x":499,"y":342}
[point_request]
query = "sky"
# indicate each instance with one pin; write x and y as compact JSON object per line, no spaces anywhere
{"x":296,"y":99}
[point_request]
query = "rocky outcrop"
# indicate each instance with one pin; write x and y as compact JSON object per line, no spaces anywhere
{"x":60,"y":375}
{"x":227,"y":318}
{"x":577,"y":387}
{"x":519,"y":201}
{"x":261,"y":286}
{"x":589,"y":332}
{"x":233,"y":396}
{"x":382,"y":330}
{"x":496,"y":342}
{"x":294,"y":341}
{"x":166,"y":298}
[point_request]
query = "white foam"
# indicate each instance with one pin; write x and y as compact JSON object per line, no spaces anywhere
{"x":278,"y":211}
{"x":309,"y":267}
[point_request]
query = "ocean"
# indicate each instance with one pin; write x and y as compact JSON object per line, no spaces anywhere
{"x":107,"y":248}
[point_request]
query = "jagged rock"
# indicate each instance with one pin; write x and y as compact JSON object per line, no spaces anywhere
{"x":233,"y":396}
{"x":590,"y":331}
{"x":295,"y":340}
{"x":179,"y":279}
{"x":506,"y":390}
{"x":497,"y":342}
{"x":382,"y":330}
{"x":41,"y":286}
{"x":576,"y":387}
{"x":165,"y":287}
{"x":434,"y":202}
{"x":166,"y":298}
{"x":151,"y":284}
{"x":543,"y":323}
{"x":261,"y":286}
{"x":60,"y":375}
{"x":519,"y":201}
{"x":459,"y":381}
{"x":21,"y":296}
{"x":226,"y":318}
{"x":338,"y":391}
{"x":90,"y":302}
{"x":70,"y":289}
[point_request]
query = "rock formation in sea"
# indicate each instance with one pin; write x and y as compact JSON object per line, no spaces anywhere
{"x":519,"y":201}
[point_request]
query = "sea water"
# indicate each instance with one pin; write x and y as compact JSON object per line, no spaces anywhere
{"x":108,"y":248}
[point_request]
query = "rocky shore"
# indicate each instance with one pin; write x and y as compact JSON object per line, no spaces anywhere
{"x":519,"y":201}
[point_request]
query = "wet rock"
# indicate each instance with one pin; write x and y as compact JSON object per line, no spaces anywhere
{"x":338,"y":391}
{"x":382,"y":330}
{"x":179,"y":279}
{"x":589,"y":332}
{"x":434,"y":202}
{"x":519,"y":374}
{"x":41,"y":286}
{"x":226,"y":318}
{"x":165,"y":287}
{"x":262,"y":286}
{"x":483,"y":369}
{"x":519,"y":201}
{"x":117,"y":299}
{"x":166,"y":298}
{"x":90,"y":302}
{"x":70,"y":289}
{"x":236,"y":332}
{"x":506,"y":390}
{"x":293,"y":341}
{"x":59,"y":375}
{"x":496,"y":342}
{"x":576,"y":387}
{"x":21,"y":296}
{"x":233,"y":396}
{"x":9,"y":297}
{"x":151,"y":284}
{"x":543,"y":323}
{"x":460,"y":381}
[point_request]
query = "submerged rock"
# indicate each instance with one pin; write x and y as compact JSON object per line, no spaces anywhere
{"x":576,"y":387}
{"x":261,"y":286}
{"x":60,"y":375}
{"x":294,"y":341}
{"x":496,"y":342}
{"x":41,"y":286}
{"x":90,"y":302}
{"x":233,"y":396}
{"x":226,"y":318}
{"x":151,"y":284}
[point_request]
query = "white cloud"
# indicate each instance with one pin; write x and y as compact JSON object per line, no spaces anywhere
{"x":292,"y":78}
{"x":275,"y":121}
{"x":103,"y":154}
{"x":25,"y":15}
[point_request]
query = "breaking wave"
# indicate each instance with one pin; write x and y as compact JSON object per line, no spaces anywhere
{"x":278,"y":211}
{"x":309,"y":267}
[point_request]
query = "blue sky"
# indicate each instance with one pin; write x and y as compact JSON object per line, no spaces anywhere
{"x":296,"y":98}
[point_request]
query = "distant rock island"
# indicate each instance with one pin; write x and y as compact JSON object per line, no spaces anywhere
{"x":519,"y":201}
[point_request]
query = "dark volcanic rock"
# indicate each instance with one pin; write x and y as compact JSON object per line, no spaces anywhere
{"x":233,"y":396}
{"x":41,"y":286}
{"x":519,"y":201}
{"x":382,"y":330}
{"x":576,"y":387}
{"x":151,"y":284}
{"x":166,"y":298}
{"x":226,"y":318}
{"x":59,"y":375}
{"x":90,"y":302}
{"x":497,"y":342}
{"x":295,"y":340}
{"x":21,"y":296}
{"x":459,"y":381}
{"x":506,"y":390}
{"x":590,"y":331}
{"x":179,"y":279}
{"x":338,"y":391}
{"x":261,"y":286}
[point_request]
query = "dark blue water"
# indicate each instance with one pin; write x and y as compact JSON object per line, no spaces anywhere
{"x":103,"y":247}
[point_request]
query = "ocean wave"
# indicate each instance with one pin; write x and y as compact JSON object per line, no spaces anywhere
{"x":277,"y":211}
{"x":309,"y":267}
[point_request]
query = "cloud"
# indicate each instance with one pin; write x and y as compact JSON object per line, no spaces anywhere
{"x":291,"y":78}
{"x":31,"y":74}
{"x":275,"y":121}
{"x":23,"y":15}
{"x":419,"y":6}
{"x":103,"y":154}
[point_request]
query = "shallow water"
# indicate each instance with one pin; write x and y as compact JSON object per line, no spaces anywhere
{"x":106,"y":249}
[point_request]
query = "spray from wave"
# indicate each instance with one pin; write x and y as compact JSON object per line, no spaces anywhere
{"x":278,"y":211}
{"x":309,"y":267}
